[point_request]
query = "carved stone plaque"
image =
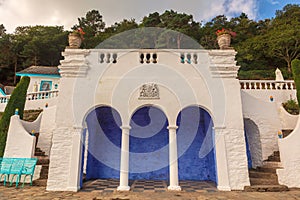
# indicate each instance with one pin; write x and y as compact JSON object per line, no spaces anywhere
{"x":149,"y":91}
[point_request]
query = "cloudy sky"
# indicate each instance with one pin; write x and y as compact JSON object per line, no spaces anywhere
{"x":15,"y":13}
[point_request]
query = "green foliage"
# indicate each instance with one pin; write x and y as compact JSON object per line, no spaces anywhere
{"x":291,"y":106}
{"x":261,"y":45}
{"x":296,"y":74}
{"x":17,"y":100}
{"x":256,"y":75}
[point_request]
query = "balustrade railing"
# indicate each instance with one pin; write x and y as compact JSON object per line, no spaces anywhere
{"x":267,"y":85}
{"x":41,"y":95}
{"x":34,"y":96}
{"x":4,"y":99}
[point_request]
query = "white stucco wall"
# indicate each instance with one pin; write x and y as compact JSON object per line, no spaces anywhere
{"x":37,"y":80}
{"x":209,"y":83}
{"x":288,"y":121}
{"x":289,"y":149}
{"x":265,"y":115}
{"x":279,"y":96}
{"x":19,"y":143}
{"x":46,"y":129}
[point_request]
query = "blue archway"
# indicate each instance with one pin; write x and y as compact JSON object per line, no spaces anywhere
{"x":148,"y":141}
{"x":195,"y":139}
{"x":104,"y":143}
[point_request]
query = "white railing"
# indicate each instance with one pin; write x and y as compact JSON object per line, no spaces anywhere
{"x":4,"y":99}
{"x":41,"y":95}
{"x":267,"y":85}
{"x":34,"y":96}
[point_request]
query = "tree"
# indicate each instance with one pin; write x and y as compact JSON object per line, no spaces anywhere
{"x":93,"y":26}
{"x":38,"y":45}
{"x":296,"y":75}
{"x":2,"y":30}
{"x":17,"y":100}
{"x":282,"y":38}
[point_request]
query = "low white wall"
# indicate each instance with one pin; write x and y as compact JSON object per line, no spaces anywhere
{"x":40,"y":104}
{"x":46,"y":129}
{"x":279,"y":96}
{"x":19,"y":143}
{"x":35,"y":104}
{"x":32,"y":126}
{"x":265,"y":115}
{"x":288,"y":121}
{"x":290,"y":159}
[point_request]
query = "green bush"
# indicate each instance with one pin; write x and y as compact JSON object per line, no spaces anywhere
{"x":17,"y":100}
{"x":291,"y":106}
{"x":296,"y":75}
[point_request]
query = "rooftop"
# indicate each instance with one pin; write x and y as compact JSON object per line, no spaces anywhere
{"x":39,"y":70}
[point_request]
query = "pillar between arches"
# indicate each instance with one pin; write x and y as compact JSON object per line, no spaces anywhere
{"x":173,"y":159}
{"x":124,"y":168}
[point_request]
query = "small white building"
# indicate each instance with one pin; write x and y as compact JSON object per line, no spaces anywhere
{"x":42,"y":78}
{"x":42,"y":90}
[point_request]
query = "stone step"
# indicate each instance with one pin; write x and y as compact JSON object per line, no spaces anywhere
{"x":266,"y":188}
{"x":40,"y":182}
{"x":259,"y":174}
{"x":42,"y":160}
{"x":264,"y":181}
{"x":43,"y":176}
{"x":271,"y":164}
{"x":274,"y":158}
{"x":266,"y":169}
{"x":39,"y":153}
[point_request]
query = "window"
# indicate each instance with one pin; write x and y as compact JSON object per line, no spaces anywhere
{"x":46,"y":85}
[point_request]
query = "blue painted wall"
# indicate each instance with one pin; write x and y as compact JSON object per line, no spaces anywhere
{"x":195,"y":145}
{"x":149,"y":145}
{"x":104,"y":144}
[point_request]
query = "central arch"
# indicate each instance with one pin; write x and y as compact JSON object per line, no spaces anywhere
{"x":148,"y":147}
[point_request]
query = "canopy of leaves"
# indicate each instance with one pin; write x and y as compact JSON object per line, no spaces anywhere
{"x":261,"y":45}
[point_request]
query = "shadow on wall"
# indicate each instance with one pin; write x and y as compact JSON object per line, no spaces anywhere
{"x":253,"y":144}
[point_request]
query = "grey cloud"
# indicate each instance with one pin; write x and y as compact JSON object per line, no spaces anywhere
{"x":15,"y":13}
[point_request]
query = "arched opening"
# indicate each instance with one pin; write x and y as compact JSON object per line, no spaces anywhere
{"x":148,"y":145}
{"x":104,"y":143}
{"x":253,"y":144}
{"x":196,"y":152}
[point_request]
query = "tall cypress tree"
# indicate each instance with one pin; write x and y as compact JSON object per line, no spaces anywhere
{"x":17,"y":101}
{"x":296,"y":74}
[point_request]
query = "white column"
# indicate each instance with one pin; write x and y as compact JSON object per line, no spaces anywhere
{"x":76,"y":160}
{"x":221,"y":160}
{"x":173,"y":160}
{"x":124,"y":168}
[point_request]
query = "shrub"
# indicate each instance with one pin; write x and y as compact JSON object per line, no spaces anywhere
{"x":296,"y":75}
{"x":291,"y":106}
{"x":17,"y":100}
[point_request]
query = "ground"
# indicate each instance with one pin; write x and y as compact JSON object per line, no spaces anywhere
{"x":39,"y":193}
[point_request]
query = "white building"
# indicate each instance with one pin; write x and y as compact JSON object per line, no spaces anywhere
{"x":160,"y":114}
{"x":43,"y":86}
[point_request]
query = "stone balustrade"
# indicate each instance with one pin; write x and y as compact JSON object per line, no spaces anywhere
{"x":4,"y":99}
{"x":267,"y":85}
{"x":34,"y":96}
{"x":42,"y":95}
